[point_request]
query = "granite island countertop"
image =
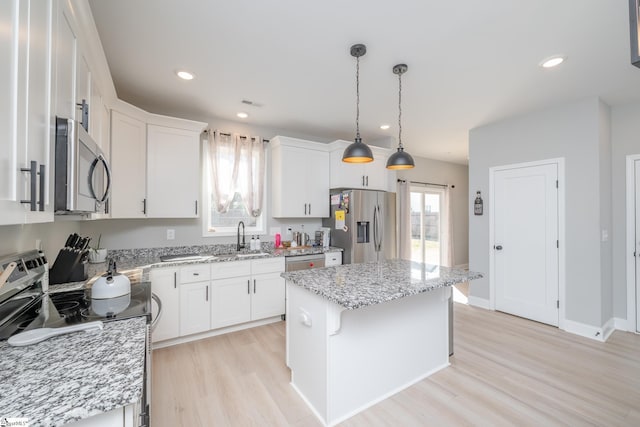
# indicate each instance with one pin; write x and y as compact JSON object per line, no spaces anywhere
{"x":354,"y":286}
{"x":73,"y":376}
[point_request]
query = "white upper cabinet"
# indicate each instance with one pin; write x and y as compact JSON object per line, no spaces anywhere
{"x":25,"y":112}
{"x":83,"y":90}
{"x":299,"y":178}
{"x":65,"y":60}
{"x":173,"y":172}
{"x":128,"y":160}
{"x":155,"y":163}
{"x":368,"y":176}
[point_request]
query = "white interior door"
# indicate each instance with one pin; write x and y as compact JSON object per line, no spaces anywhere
{"x":637,"y":241}
{"x":525,"y":242}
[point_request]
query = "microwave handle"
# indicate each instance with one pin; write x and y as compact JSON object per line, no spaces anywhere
{"x":92,"y":169}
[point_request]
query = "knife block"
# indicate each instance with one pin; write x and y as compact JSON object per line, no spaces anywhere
{"x":68,"y":267}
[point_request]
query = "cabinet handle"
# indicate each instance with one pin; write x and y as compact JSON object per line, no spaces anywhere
{"x":254,"y":286}
{"x":32,"y":170}
{"x":367,"y":180}
{"x":248,"y":286}
{"x":42,"y":188}
{"x":84,"y":108}
{"x":196,"y":207}
{"x":305,"y":208}
{"x":175,"y":279}
{"x":207,"y":294}
{"x":144,"y":206}
{"x":363,"y":180}
{"x":196,"y":274}
{"x":309,"y":208}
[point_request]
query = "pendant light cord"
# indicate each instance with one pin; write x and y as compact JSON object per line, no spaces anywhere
{"x":400,"y":110}
{"x":358,"y":97}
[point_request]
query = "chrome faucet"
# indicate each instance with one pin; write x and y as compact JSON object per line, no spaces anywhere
{"x":240,"y":245}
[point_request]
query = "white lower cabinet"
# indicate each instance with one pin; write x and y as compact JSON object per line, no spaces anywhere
{"x":195,"y":306}
{"x":164,"y":283}
{"x":231,"y":301}
{"x":332,"y":258}
{"x":267,"y":299}
{"x":201,"y":297}
{"x":246,"y":290}
{"x":195,"y":299}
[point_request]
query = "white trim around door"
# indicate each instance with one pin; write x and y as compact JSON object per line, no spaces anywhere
{"x":560,"y":164}
{"x":630,"y":248}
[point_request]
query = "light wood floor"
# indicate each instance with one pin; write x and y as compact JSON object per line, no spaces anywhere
{"x":506,"y":371}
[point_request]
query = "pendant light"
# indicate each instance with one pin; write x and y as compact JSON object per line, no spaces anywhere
{"x":358,"y":152}
{"x":400,"y":159}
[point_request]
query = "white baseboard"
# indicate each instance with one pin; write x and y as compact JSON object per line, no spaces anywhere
{"x":479,"y":302}
{"x":214,"y":332}
{"x":587,"y":331}
{"x":621,"y":324}
{"x":608,"y":328}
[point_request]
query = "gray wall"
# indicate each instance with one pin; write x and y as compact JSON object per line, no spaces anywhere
{"x":18,"y":238}
{"x":573,"y":132}
{"x":606,"y":259}
{"x":438,"y":172}
{"x":625,"y":135}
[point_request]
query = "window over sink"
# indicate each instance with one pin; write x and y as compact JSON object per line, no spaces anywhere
{"x":234,"y":184}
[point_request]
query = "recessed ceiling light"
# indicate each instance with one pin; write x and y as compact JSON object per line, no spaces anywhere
{"x":185,"y":75}
{"x":242,"y":115}
{"x":384,"y":127}
{"x":553,"y":61}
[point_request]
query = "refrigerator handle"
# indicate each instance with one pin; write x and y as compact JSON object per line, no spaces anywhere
{"x":375,"y":228}
{"x":380,"y":225}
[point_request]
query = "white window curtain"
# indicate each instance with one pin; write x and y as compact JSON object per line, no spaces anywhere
{"x":236,"y":164}
{"x":251,"y":166}
{"x":403,"y":192}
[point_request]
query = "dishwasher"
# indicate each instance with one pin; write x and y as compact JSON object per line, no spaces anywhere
{"x":303,"y":262}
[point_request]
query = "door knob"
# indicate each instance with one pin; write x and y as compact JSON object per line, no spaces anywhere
{"x":498,"y":247}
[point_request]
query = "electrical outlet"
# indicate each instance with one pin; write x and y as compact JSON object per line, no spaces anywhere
{"x":171,"y":234}
{"x":274,"y":230}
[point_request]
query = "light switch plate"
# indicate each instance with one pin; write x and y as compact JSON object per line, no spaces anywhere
{"x":171,"y":234}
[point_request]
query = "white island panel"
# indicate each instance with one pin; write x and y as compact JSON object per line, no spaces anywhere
{"x":375,"y":352}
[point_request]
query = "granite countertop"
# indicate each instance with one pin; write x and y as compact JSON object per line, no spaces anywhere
{"x":354,"y":286}
{"x":73,"y":376}
{"x":136,"y":263}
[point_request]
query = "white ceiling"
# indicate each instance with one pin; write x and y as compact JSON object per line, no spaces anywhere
{"x":470,"y":62}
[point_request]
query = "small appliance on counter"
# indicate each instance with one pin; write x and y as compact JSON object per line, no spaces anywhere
{"x":323,"y":237}
{"x":111,"y":285}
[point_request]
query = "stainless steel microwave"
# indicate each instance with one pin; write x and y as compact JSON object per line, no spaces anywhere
{"x":82,"y":173}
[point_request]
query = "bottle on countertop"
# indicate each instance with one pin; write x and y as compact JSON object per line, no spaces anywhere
{"x":252,"y":244}
{"x":258,"y":244}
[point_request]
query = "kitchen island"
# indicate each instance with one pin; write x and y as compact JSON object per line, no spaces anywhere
{"x":359,"y":333}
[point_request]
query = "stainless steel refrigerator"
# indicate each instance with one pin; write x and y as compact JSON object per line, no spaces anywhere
{"x":363,"y":223}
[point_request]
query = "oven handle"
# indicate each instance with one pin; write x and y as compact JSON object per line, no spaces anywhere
{"x":154,"y":322}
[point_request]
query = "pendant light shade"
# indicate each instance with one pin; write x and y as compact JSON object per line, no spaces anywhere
{"x":400,"y":159}
{"x":358,"y":151}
